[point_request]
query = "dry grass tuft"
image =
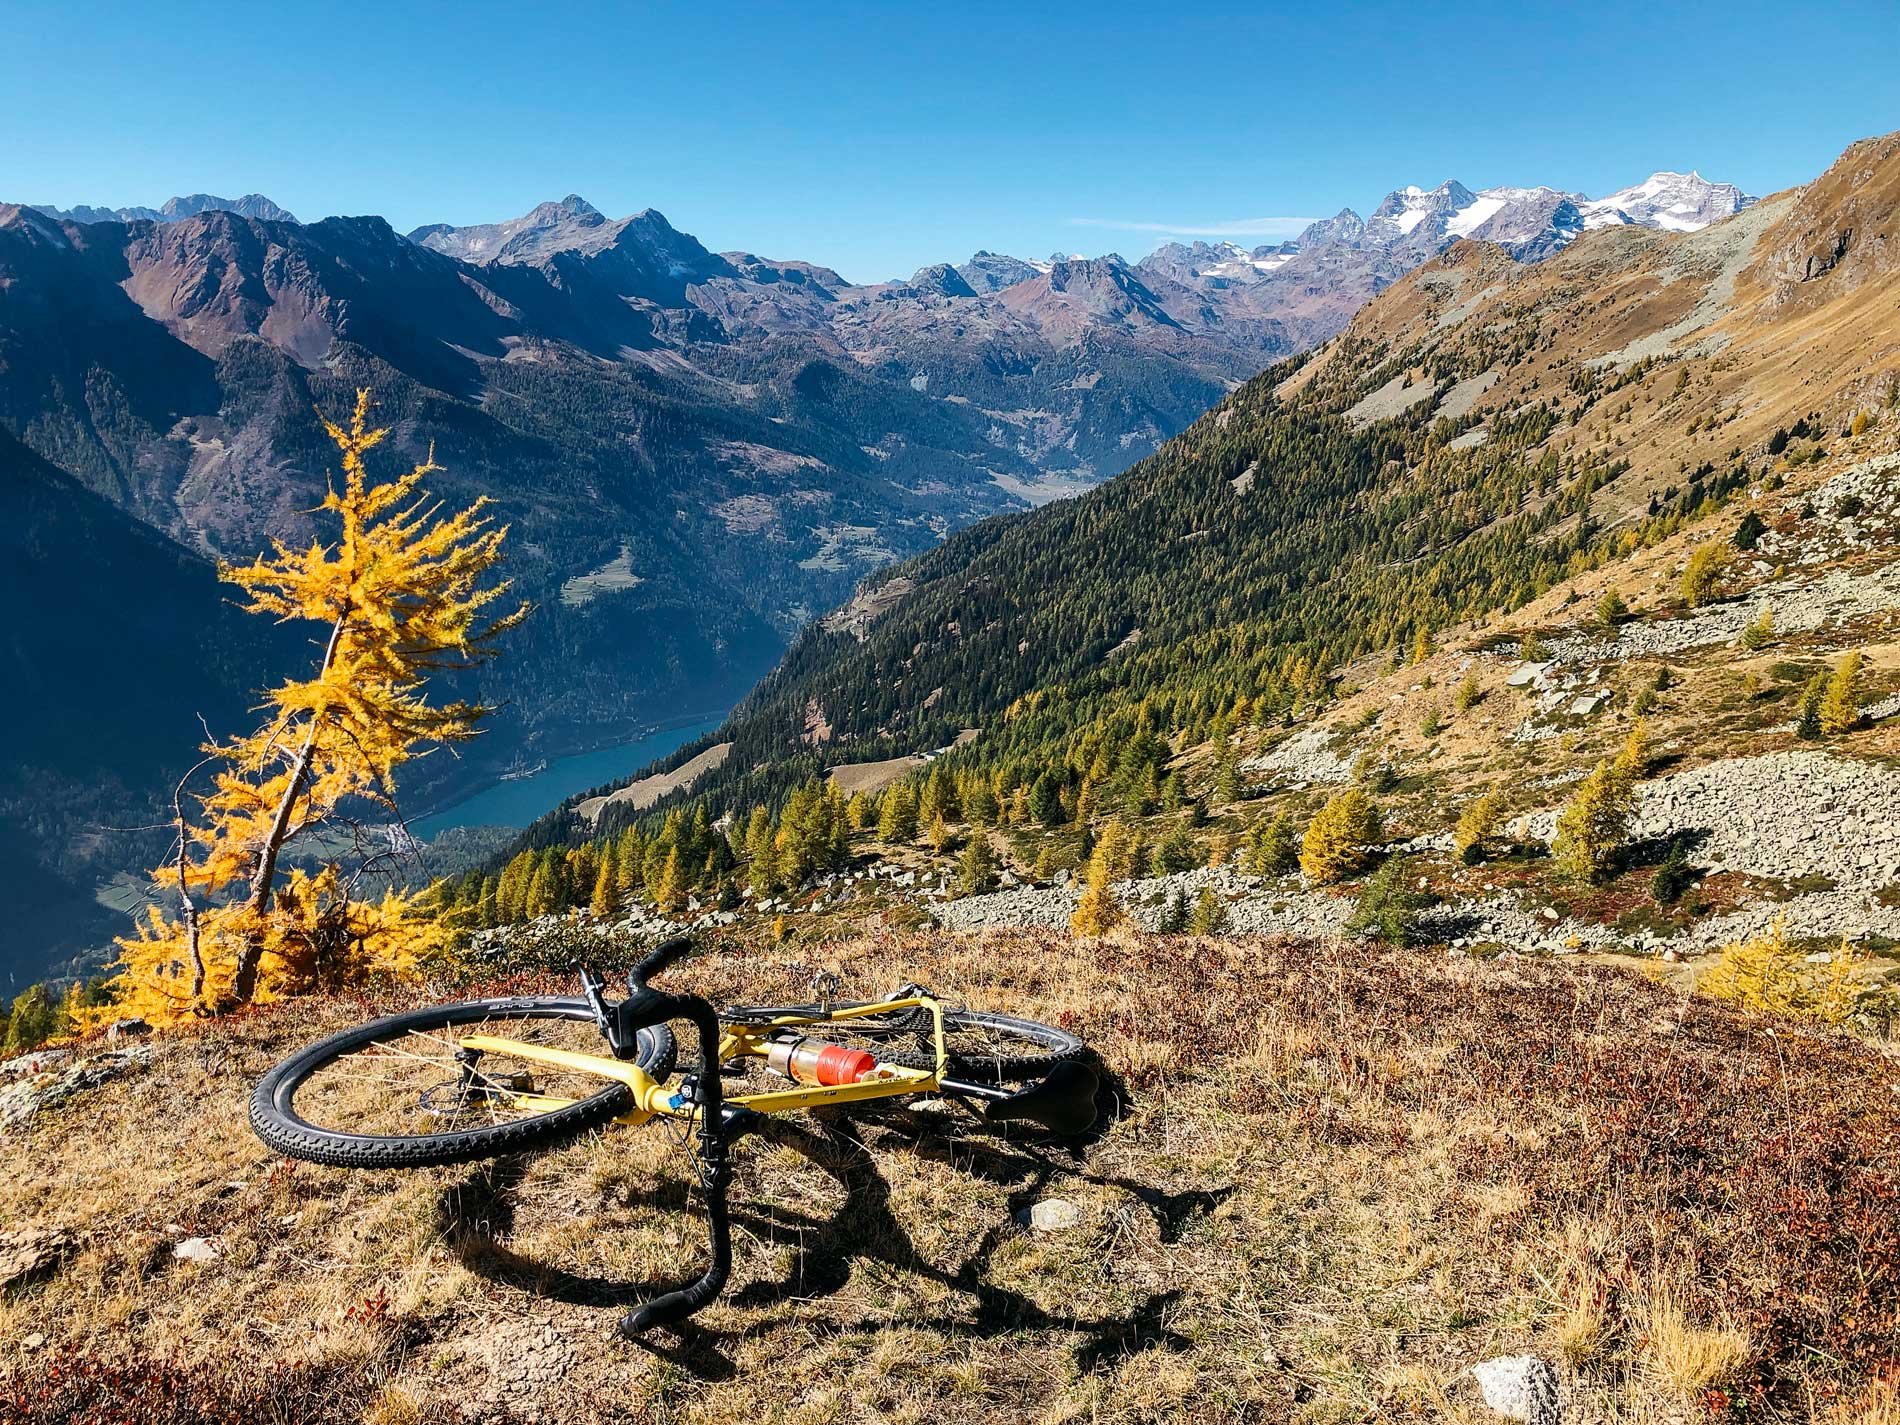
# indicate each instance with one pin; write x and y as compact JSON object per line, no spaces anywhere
{"x":1684,"y":1358}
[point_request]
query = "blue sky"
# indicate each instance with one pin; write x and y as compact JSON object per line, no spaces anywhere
{"x":876,"y":138}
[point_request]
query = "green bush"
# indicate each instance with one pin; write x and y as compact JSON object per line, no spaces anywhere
{"x":1388,"y":907}
{"x":1673,"y":877}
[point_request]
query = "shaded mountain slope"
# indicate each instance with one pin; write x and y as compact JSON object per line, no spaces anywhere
{"x":111,"y":621}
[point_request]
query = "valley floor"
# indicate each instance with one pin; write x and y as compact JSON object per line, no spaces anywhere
{"x":1328,"y":1181}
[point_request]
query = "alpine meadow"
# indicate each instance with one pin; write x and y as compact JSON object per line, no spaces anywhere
{"x":1303,"y":828}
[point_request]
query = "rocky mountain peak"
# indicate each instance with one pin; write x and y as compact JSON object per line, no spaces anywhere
{"x":33,"y":224}
{"x":572,"y":224}
{"x":251,"y":205}
{"x":175,"y":210}
{"x":1841,"y":231}
{"x":1344,"y":228}
{"x":942,"y":279}
{"x":993,"y":271}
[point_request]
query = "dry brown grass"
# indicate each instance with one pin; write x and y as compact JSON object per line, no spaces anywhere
{"x":1336,"y":1178}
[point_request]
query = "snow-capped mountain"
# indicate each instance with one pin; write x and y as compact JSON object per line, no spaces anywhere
{"x":1678,"y":202}
{"x":1350,"y":255}
{"x":1216,"y":262}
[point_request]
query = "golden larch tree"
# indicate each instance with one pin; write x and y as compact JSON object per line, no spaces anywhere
{"x":1339,"y":840}
{"x":402,"y":592}
{"x":1099,"y":912}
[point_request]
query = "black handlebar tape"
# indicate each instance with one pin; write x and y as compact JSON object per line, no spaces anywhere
{"x":676,"y":1306}
{"x":673,"y":950}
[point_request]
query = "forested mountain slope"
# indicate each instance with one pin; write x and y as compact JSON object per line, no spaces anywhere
{"x":1482,"y":435}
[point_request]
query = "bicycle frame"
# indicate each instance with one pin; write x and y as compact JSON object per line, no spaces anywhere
{"x":737,"y":1041}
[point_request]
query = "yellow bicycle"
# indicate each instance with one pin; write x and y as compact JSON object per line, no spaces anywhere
{"x":478,"y":1079}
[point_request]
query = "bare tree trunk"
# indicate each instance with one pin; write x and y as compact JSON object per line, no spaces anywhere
{"x":188,"y":908}
{"x":244,"y":984}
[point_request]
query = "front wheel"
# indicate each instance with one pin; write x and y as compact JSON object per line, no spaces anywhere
{"x":401,"y":1092}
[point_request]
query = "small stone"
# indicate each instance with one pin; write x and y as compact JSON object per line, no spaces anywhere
{"x":122,"y":1029}
{"x":1519,"y":1388}
{"x":1052,"y":1214}
{"x":197,"y":1249}
{"x":29,"y":1254}
{"x":35,"y":1341}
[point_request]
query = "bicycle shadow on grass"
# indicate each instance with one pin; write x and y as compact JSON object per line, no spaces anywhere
{"x":826,"y":1249}
{"x":827,"y":1252}
{"x":475,"y":1217}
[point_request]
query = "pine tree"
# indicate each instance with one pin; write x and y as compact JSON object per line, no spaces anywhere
{"x":1761,"y":629}
{"x":1227,"y":780}
{"x":1271,"y":848}
{"x":1175,"y":852}
{"x":37,"y":1015}
{"x":1045,"y":799}
{"x":511,"y":893}
{"x":1388,"y":907}
{"x":977,"y":866}
{"x":544,"y":895}
{"x":1632,"y":762}
{"x":1174,"y":913}
{"x":671,"y":898}
{"x":1210,"y":913}
{"x":1476,"y":825}
{"x":1338,"y":843}
{"x":1808,"y":721}
{"x":1220,"y":849}
{"x":603,"y":904}
{"x":1594,"y":823}
{"x":401,"y":594}
{"x":1470,"y":693}
{"x":1702,"y":576}
{"x":628,"y":856}
{"x":940,"y":836}
{"x":1839,"y":707}
{"x":758,"y":850}
{"x":897,"y":818}
{"x":1099,"y":911}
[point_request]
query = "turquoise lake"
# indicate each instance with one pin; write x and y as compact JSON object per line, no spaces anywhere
{"x":516,"y":803}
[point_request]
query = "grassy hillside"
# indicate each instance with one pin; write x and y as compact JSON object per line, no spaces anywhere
{"x":1319,"y":1204}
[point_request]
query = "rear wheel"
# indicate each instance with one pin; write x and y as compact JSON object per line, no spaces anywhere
{"x":401,"y":1092}
{"x":980,"y":1046}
